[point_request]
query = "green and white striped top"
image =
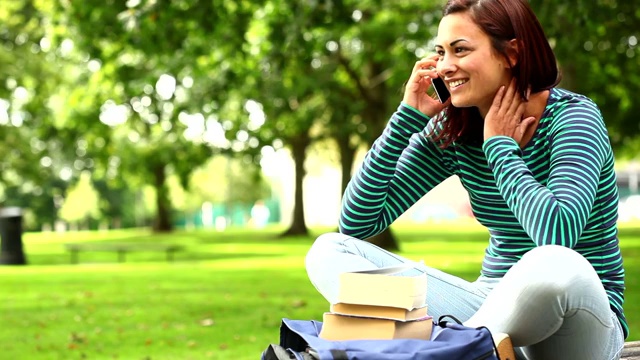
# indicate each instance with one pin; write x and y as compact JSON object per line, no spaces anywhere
{"x":560,"y":189}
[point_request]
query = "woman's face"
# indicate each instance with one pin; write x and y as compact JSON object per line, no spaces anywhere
{"x":468,"y":64}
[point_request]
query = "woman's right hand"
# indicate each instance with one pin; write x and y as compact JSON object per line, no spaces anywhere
{"x":415,"y":92}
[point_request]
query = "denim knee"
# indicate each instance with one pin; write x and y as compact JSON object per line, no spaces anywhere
{"x":552,"y":270}
{"x":324,"y":244}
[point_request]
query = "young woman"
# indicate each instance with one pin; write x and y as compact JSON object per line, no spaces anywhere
{"x":538,"y":166}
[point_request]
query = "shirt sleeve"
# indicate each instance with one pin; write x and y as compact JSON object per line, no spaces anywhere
{"x":558,"y":212}
{"x":402,"y":166}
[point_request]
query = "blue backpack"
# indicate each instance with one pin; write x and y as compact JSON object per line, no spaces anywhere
{"x":449,"y":341}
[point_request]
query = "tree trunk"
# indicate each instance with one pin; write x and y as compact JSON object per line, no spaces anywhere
{"x":163,"y":216}
{"x":569,"y":77}
{"x":385,"y":240}
{"x":299,"y":146}
{"x":347,"y":156}
{"x":375,"y":114}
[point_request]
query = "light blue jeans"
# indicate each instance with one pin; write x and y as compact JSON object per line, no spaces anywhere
{"x":551,"y":303}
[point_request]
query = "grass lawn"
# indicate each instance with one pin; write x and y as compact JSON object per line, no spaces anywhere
{"x":222,"y":298}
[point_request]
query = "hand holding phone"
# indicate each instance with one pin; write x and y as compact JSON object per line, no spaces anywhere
{"x":417,"y":93}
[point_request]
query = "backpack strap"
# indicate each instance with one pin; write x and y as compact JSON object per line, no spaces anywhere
{"x":503,"y":346}
{"x":443,"y":323}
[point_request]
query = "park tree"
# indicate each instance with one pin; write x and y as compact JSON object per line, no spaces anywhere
{"x":596,"y":43}
{"x":361,"y":53}
{"x":375,"y":52}
{"x":350,"y":58}
{"x":275,"y":85}
{"x":164,"y":97}
{"x":39,"y":153}
{"x":172,"y":82}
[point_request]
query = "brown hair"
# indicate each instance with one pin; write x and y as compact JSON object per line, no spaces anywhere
{"x":536,"y":67}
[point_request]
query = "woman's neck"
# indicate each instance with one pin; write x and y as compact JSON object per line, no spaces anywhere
{"x":534,"y":108}
{"x":536,"y":104}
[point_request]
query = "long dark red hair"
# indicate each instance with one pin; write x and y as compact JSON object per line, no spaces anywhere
{"x":536,"y":68}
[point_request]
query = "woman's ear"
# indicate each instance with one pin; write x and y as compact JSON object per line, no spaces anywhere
{"x":512,"y":52}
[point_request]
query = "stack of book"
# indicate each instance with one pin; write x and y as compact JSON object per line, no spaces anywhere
{"x":378,"y":304}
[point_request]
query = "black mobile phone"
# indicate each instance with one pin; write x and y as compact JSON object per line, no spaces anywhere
{"x":441,"y":89}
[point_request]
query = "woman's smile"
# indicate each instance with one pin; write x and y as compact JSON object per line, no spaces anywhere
{"x":455,"y":84}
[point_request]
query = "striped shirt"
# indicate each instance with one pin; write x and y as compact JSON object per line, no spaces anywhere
{"x":560,"y":189}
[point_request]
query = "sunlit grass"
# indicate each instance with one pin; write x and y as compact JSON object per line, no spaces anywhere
{"x":222,"y":298}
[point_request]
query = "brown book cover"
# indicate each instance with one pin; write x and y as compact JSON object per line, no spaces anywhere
{"x":384,"y":312}
{"x":383,"y":287}
{"x":337,"y":327}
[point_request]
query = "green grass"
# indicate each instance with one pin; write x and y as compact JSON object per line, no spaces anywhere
{"x":222,"y":298}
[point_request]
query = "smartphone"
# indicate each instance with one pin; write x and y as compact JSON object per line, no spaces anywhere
{"x":441,"y":89}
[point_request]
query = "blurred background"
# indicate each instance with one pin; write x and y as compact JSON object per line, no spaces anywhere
{"x":186,"y":113}
{"x":179,"y":121}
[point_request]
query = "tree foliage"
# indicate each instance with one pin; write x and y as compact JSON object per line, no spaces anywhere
{"x":596,"y":43}
{"x":158,"y":56}
{"x":142,"y":91}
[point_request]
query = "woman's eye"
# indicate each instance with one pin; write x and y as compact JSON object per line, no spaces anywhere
{"x":440,"y":52}
{"x":460,"y":49}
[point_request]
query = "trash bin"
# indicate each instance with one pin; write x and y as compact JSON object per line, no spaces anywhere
{"x":11,"y":251}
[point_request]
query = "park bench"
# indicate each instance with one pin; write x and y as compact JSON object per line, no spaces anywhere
{"x":631,"y":351}
{"x":121,"y":248}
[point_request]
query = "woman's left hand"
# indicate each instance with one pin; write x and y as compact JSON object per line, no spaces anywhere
{"x":505,"y":115}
